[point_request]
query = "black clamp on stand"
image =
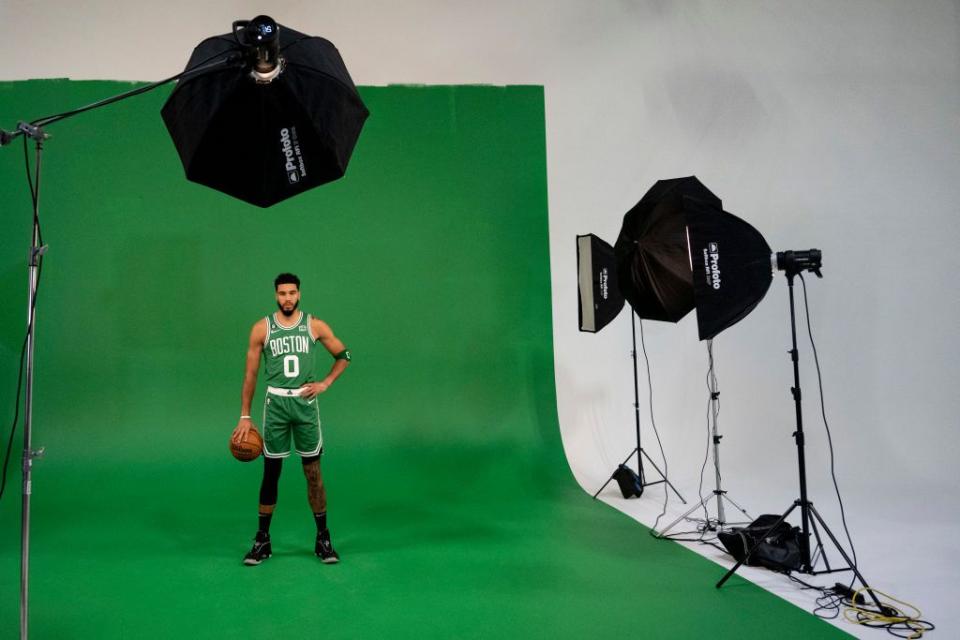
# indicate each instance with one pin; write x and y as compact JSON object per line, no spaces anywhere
{"x":793,"y":263}
{"x":27,"y":129}
{"x":632,"y":484}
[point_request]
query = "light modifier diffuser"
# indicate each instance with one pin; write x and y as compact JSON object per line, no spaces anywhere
{"x":731,"y":267}
{"x":599,"y":295}
{"x":679,"y":250}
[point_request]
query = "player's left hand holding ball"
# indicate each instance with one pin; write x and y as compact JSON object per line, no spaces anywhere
{"x":246,"y":443}
{"x":243,"y":427}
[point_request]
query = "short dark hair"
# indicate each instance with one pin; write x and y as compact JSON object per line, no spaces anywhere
{"x":286,"y":278}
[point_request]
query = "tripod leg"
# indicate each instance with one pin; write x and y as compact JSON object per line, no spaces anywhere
{"x":724,"y":496}
{"x":611,"y":475}
{"x":849,"y":562}
{"x":650,"y":460}
{"x":663,"y":531}
{"x":603,"y":487}
{"x":823,"y":551}
{"x":749,"y":553}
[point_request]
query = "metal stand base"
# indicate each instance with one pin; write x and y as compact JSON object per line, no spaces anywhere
{"x":641,"y":454}
{"x":721,"y":522}
{"x":643,"y":482}
{"x":808,"y":564}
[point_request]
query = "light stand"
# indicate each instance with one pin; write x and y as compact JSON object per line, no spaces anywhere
{"x":36,"y":254}
{"x":719,"y":493}
{"x":640,"y":481}
{"x":34,"y":131}
{"x":794,"y":263}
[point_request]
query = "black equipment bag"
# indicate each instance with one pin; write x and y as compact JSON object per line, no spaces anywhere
{"x":778,"y":548}
{"x":631,"y":485}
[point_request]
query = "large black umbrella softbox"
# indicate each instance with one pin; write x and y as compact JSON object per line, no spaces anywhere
{"x":679,"y":250}
{"x":653,"y":263}
{"x":265,"y":142}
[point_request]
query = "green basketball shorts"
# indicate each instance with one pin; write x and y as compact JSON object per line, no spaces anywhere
{"x":286,"y":416}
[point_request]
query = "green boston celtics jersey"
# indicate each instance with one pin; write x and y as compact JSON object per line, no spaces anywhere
{"x":288,"y":353}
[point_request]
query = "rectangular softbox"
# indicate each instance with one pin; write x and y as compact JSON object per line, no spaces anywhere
{"x":599,"y":296}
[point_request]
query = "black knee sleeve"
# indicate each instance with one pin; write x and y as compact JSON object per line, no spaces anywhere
{"x":271,"y":479}
{"x":308,"y":459}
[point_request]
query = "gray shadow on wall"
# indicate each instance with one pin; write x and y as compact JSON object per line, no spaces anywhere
{"x":715,"y":104}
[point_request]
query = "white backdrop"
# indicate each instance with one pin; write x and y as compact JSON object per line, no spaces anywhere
{"x":824,"y":124}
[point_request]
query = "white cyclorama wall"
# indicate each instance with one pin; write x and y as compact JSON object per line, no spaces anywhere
{"x":833,"y":125}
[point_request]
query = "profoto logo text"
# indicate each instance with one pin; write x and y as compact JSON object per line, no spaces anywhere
{"x":711,"y":264}
{"x":293,"y":159}
{"x":604,"y":286}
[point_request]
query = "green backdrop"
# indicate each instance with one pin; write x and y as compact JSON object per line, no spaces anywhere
{"x":450,"y":499}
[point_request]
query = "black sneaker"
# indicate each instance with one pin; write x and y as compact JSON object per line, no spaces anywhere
{"x":261,"y":549}
{"x":324,"y":548}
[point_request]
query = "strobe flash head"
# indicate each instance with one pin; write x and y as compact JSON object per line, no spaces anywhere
{"x":793,"y":262}
{"x":260,"y":39}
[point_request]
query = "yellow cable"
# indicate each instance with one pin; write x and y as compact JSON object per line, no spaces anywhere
{"x":858,"y":615}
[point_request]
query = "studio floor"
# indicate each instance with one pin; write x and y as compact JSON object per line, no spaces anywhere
{"x":435,"y":543}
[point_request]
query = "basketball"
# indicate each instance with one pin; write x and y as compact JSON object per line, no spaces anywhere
{"x":249,"y":448}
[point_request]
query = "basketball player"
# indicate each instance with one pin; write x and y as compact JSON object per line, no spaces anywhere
{"x":287,"y":341}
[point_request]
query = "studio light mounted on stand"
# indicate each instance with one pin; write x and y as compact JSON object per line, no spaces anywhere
{"x":285,"y":122}
{"x":682,"y":251}
{"x":679,"y":250}
{"x":600,"y":302}
{"x":673,"y":233}
{"x":793,"y":264}
{"x":262,"y":114}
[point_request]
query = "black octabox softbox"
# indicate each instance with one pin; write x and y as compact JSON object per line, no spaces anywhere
{"x":266,"y":142}
{"x":653,"y":260}
{"x":678,"y":250}
{"x":731,"y":267}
